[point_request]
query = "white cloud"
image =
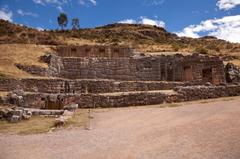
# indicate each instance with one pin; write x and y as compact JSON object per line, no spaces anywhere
{"x":227,"y":28}
{"x":144,"y":20}
{"x":94,"y":2}
{"x":23,"y":13}
{"x":60,"y":8}
{"x":128,"y":21}
{"x":39,"y":28}
{"x":148,"y":21}
{"x":44,"y":2}
{"x":227,"y":4}
{"x":83,"y":2}
{"x":154,"y":2}
{"x":57,"y":3}
{"x":6,"y":14}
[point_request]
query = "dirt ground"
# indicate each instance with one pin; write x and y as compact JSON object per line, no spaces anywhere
{"x":199,"y":130}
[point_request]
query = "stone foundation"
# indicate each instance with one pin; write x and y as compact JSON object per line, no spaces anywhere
{"x":122,"y":99}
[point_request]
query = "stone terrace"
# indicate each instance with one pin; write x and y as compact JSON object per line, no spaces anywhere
{"x":110,"y":76}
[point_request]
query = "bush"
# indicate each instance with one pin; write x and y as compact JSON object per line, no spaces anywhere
{"x":201,"y":50}
{"x":176,"y":47}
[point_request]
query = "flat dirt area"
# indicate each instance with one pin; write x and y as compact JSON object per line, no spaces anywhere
{"x":196,"y":130}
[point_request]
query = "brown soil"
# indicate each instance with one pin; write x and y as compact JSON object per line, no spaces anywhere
{"x":198,"y":130}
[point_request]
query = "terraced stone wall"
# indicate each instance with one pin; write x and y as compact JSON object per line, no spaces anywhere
{"x":83,"y":86}
{"x":189,"y":93}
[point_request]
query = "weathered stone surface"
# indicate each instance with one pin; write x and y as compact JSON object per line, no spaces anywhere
{"x":85,"y":86}
{"x":15,"y":119}
{"x":147,"y":68}
{"x":119,"y":63}
{"x":26,"y":117}
{"x":232,"y":73}
{"x":62,"y":120}
{"x":71,"y":107}
{"x":109,"y":76}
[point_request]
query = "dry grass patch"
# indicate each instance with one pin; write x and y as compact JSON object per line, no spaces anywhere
{"x":236,"y":62}
{"x":79,"y":119}
{"x":170,"y":105}
{"x":41,"y":124}
{"x":35,"y":125}
{"x":26,"y":54}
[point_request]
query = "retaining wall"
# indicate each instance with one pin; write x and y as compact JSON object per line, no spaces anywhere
{"x":132,"y":99}
{"x":83,"y":86}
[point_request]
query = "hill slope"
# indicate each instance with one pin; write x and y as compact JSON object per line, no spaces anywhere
{"x":143,"y":37}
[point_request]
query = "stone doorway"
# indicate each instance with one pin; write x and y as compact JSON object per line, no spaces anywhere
{"x":207,"y":75}
{"x":188,"y":73}
{"x":53,"y":103}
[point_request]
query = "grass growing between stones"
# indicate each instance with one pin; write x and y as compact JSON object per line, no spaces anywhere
{"x":41,"y":124}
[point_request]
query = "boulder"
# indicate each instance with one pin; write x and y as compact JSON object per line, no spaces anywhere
{"x":232,"y":73}
{"x":17,"y":112}
{"x":71,"y":107}
{"x":3,"y":112}
{"x":61,"y":121}
{"x":15,"y":119}
{"x":68,"y":113}
{"x":26,"y":117}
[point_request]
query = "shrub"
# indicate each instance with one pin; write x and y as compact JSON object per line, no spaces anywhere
{"x":201,"y":50}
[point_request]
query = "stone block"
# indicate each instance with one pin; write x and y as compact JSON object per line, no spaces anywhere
{"x":15,"y":119}
{"x":71,"y":107}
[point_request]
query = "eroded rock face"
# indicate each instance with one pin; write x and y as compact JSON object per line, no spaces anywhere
{"x":232,"y":73}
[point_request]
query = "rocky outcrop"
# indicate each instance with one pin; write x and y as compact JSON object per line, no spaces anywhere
{"x":232,"y":73}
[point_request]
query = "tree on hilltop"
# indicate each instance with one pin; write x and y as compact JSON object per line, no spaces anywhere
{"x":62,"y":20}
{"x":75,"y":23}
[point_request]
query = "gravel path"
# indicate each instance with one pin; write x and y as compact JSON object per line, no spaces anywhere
{"x":194,"y":131}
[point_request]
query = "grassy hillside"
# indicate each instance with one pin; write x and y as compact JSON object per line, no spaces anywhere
{"x":26,"y":54}
{"x":20,"y":44}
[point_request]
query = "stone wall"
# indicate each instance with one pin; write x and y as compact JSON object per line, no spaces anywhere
{"x":97,"y":51}
{"x":191,"y":93}
{"x":181,"y":94}
{"x":32,"y":69}
{"x":120,"y":63}
{"x":143,"y":68}
{"x":83,"y":86}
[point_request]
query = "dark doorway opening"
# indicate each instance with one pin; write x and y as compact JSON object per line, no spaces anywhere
{"x":74,"y":50}
{"x":207,"y":75}
{"x":188,"y":74}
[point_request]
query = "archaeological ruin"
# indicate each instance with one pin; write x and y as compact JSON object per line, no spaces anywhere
{"x":117,"y":76}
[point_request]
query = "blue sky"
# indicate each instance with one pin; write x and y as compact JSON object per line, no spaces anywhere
{"x":191,"y":18}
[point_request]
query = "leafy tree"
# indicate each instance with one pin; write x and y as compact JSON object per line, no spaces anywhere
{"x":75,"y":23}
{"x":62,"y":20}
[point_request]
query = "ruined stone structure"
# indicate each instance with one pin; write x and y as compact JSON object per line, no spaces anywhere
{"x":123,"y":64}
{"x":119,"y":63}
{"x":110,"y":76}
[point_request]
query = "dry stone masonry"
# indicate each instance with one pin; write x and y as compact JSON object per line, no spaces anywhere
{"x":113,"y":76}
